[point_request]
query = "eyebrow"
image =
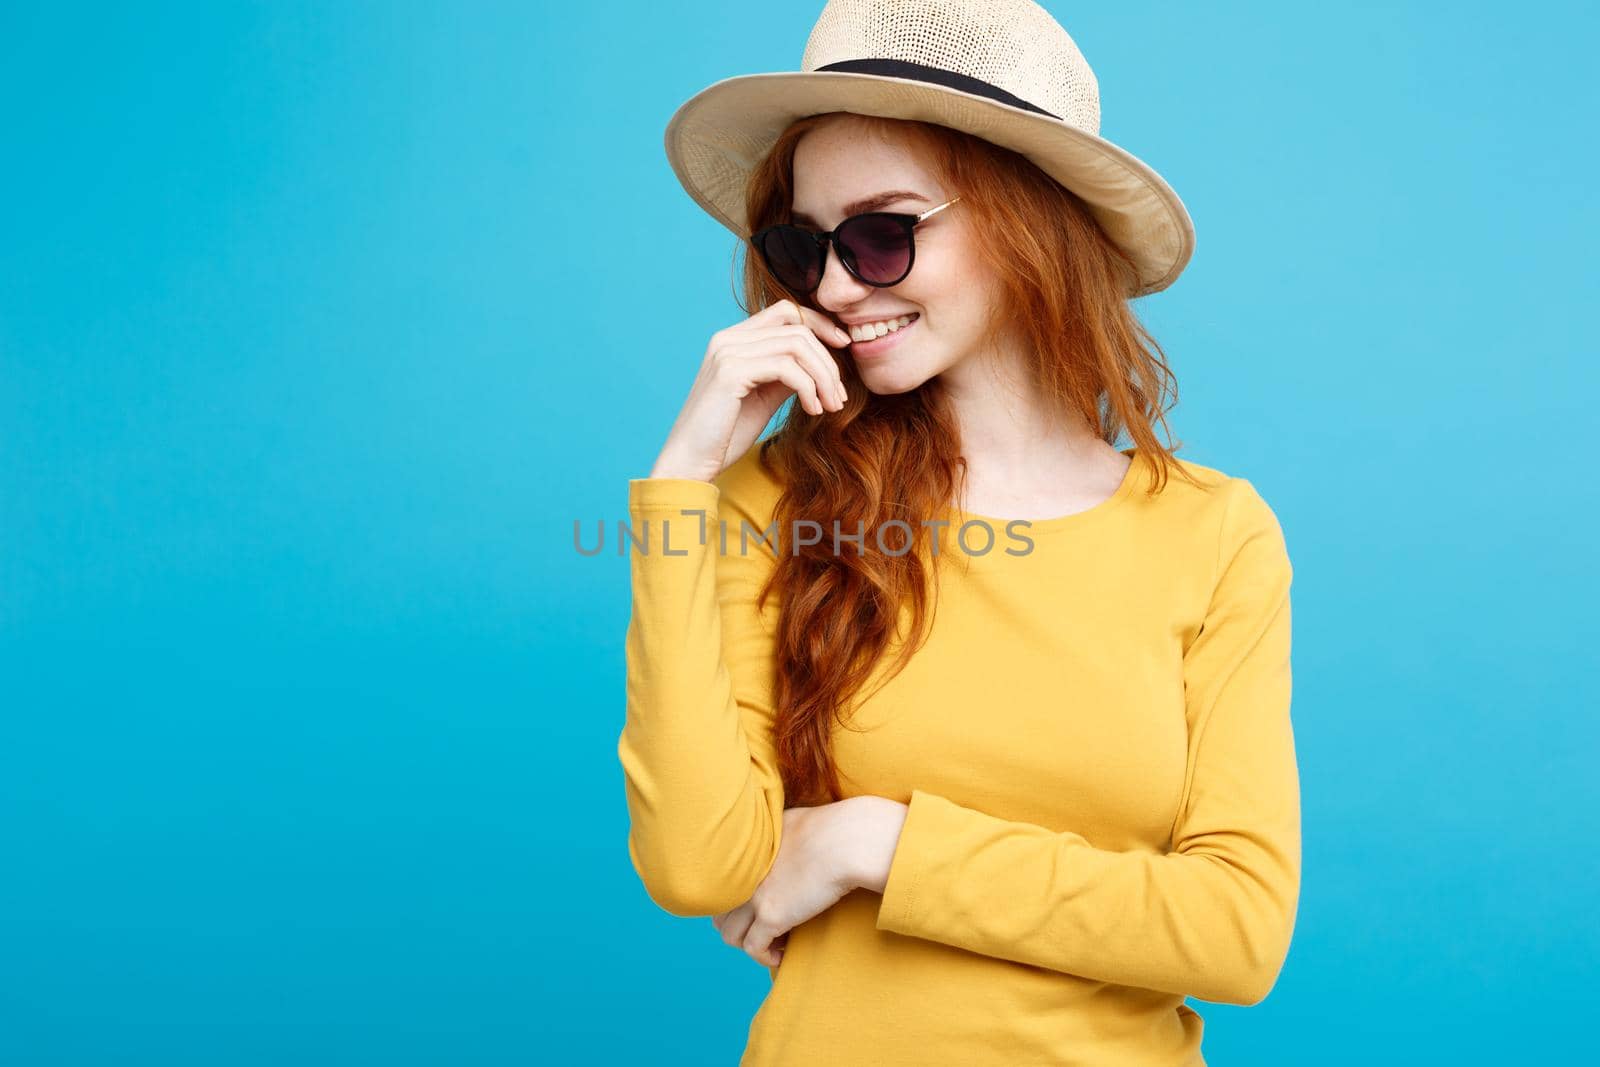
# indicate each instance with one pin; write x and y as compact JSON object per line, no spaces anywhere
{"x":871,"y":203}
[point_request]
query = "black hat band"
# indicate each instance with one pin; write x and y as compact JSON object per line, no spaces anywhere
{"x":900,"y":68}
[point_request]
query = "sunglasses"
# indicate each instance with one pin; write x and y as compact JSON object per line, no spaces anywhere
{"x":876,"y":248}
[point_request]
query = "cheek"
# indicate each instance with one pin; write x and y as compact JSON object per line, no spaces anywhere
{"x":956,"y":303}
{"x":950,"y":285}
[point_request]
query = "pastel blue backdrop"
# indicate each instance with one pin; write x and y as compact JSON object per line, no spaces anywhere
{"x":320,"y":324}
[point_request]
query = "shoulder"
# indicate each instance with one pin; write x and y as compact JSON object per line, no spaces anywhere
{"x":1250,"y":539}
{"x":1222,"y":493}
{"x":1226,"y":510}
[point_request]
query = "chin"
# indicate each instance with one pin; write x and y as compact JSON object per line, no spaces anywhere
{"x":886,"y":380}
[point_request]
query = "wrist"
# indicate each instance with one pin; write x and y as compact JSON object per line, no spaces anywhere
{"x":668,"y":472}
{"x":670,"y":465}
{"x":872,"y":825}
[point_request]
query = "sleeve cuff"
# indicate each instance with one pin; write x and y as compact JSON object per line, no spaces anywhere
{"x":671,"y":494}
{"x":930,"y":820}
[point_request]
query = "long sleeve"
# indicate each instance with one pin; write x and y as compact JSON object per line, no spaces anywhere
{"x":704,"y":797}
{"x":1210,"y":918}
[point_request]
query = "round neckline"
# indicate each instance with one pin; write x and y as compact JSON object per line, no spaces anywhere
{"x":1034,"y":526}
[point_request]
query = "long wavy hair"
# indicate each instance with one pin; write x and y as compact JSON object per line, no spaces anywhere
{"x":1063,"y":289}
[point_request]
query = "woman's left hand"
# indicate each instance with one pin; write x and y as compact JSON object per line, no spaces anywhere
{"x":825,"y":852}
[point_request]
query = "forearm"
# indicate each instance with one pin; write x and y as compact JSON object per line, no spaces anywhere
{"x":1213,"y":921}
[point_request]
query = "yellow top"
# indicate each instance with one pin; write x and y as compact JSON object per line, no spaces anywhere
{"x":1095,"y":745}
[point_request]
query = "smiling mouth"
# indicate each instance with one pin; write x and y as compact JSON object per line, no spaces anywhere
{"x":909,"y":320}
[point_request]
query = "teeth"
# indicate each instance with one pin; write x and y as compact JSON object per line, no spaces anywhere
{"x":869,"y":330}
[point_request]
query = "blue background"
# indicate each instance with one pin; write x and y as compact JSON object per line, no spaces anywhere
{"x":321,"y":323}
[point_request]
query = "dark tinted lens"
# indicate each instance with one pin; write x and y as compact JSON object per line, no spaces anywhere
{"x":876,"y":247}
{"x":791,"y":255}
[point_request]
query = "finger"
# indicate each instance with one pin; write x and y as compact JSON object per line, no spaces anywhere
{"x":788,"y":311}
{"x":827,"y":367}
{"x":816,"y":357}
{"x":825,"y":327}
{"x":758,"y":943}
{"x":774,"y":360}
{"x":736,"y":925}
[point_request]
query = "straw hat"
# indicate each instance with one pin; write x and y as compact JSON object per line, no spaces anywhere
{"x":1002,"y":70}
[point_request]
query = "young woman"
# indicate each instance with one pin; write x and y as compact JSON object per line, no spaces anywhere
{"x":969,"y":724}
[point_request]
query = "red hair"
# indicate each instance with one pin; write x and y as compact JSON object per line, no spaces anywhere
{"x":1063,"y":290}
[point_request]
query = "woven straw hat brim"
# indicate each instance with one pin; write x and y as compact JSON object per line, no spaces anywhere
{"x":717,"y":137}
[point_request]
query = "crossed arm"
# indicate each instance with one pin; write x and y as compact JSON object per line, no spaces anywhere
{"x":1210,"y":917}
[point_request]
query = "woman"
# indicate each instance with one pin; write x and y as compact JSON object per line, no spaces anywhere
{"x":997,"y":793}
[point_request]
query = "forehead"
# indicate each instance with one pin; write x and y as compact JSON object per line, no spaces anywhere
{"x":844,"y":169}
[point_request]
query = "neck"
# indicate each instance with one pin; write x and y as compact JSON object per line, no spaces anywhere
{"x":1008,"y":429}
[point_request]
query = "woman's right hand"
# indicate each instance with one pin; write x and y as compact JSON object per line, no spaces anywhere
{"x":749,"y":370}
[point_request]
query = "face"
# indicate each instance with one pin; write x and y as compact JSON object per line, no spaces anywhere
{"x":840,"y":164}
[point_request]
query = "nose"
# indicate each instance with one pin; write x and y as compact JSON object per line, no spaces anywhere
{"x":838,"y":288}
